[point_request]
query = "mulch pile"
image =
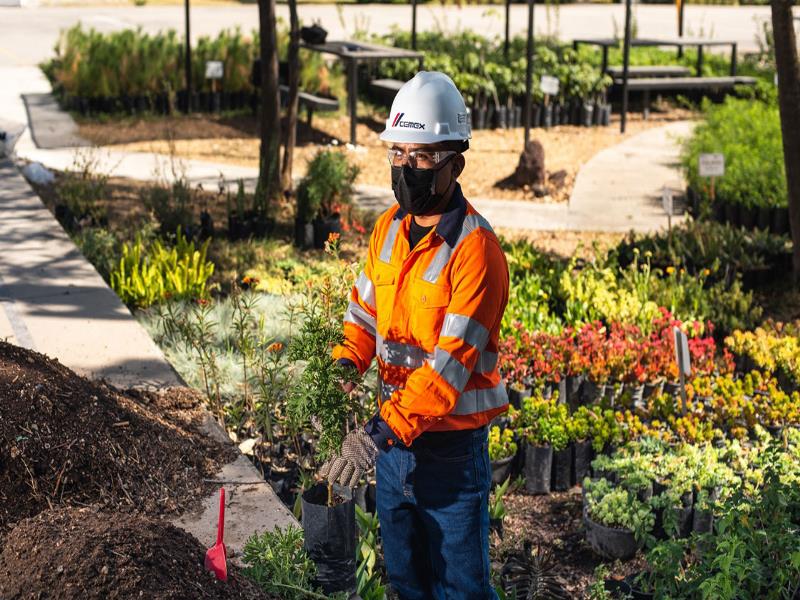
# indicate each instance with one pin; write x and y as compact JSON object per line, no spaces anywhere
{"x":66,"y":440}
{"x":83,"y":553}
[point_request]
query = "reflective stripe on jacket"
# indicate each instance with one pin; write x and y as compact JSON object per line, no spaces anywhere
{"x":432,"y":317}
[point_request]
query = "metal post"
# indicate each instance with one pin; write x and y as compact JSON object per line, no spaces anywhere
{"x":352,"y":72}
{"x":508,"y":19}
{"x":188,"y":61}
{"x":413,"y":24}
{"x":626,"y":60}
{"x":681,"y":5}
{"x":733,"y":59}
{"x":528,"y":74}
{"x":604,"y":66}
{"x":700,"y":60}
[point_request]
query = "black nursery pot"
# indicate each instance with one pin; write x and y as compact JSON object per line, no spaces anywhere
{"x":515,"y":396}
{"x":764,"y":217}
{"x":501,"y":469}
{"x":748,"y":216}
{"x":610,"y":542}
{"x":583,"y":454}
{"x":538,"y":467}
{"x":562,"y":469}
{"x":330,"y":538}
{"x":303,"y":234}
{"x":547,"y":116}
{"x":587,"y":114}
{"x":780,"y":220}
{"x":324,"y":227}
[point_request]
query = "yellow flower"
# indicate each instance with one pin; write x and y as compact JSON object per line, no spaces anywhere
{"x":670,"y":270}
{"x":706,"y":272}
{"x":332,"y":237}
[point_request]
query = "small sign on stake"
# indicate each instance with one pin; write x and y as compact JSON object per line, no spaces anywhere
{"x":549,"y":85}
{"x":683,"y":360}
{"x":713,"y":166}
{"x":215,"y":69}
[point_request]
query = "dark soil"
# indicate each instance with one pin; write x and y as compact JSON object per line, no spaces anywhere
{"x":554,"y":522}
{"x":83,"y":553}
{"x":65,"y":440}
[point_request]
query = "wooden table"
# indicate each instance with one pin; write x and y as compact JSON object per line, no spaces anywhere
{"x":678,"y":42}
{"x":682,"y":42}
{"x":353,"y":53}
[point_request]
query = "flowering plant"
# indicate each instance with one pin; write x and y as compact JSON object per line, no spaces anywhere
{"x":501,"y":443}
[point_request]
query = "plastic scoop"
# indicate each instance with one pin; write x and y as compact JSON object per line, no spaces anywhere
{"x":215,"y":556}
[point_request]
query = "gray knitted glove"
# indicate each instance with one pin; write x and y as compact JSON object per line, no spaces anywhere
{"x":358,"y":455}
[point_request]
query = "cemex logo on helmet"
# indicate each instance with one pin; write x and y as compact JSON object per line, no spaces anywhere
{"x":412,"y":124}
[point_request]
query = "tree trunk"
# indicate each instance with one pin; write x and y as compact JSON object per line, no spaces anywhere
{"x":788,"y":68}
{"x":290,"y":135}
{"x":268,"y":187}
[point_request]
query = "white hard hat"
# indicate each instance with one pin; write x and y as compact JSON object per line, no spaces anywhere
{"x":428,"y":109}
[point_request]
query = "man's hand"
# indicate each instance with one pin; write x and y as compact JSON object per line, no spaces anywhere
{"x":358,"y":455}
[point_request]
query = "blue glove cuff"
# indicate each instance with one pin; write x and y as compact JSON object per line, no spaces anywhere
{"x":381,"y":433}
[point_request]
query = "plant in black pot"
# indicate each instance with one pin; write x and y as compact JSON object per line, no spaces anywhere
{"x":543,"y":428}
{"x":502,"y":450}
{"x":617,"y":522}
{"x":328,"y":515}
{"x":581,"y":441}
{"x":326,"y":188}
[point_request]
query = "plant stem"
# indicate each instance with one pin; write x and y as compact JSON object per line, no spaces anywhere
{"x":308,"y":593}
{"x":330,"y":494}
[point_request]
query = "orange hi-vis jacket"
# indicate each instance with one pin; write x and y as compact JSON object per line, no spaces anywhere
{"x":431,"y":316}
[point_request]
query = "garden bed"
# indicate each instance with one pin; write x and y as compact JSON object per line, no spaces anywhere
{"x":85,"y":554}
{"x":555,"y":522}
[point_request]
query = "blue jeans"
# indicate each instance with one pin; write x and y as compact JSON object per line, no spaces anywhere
{"x":432,"y":502}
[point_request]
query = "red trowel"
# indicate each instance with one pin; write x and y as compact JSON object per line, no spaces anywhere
{"x":215,"y":556}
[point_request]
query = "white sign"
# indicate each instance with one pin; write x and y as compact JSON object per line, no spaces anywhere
{"x":549,"y":85}
{"x":712,"y":165}
{"x":682,"y":357}
{"x":214,"y":69}
{"x":666,"y":200}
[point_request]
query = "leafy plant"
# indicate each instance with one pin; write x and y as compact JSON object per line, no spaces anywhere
{"x":530,"y":576}
{"x":369,"y":585}
{"x":501,"y":443}
{"x":618,"y":508}
{"x":278,"y":563}
{"x":150,"y":274}
{"x":327,"y":185}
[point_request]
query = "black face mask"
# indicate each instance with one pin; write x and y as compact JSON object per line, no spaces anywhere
{"x":414,"y":190}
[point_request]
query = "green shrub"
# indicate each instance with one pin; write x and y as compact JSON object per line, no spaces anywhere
{"x":748,"y":134}
{"x":278,"y":563}
{"x":150,"y":274}
{"x":327,"y":185}
{"x":100,"y":248}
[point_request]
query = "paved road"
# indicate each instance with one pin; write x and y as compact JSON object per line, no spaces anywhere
{"x":27,"y":35}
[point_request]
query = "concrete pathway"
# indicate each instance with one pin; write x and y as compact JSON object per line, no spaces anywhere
{"x":53,"y":301}
{"x":50,"y":126}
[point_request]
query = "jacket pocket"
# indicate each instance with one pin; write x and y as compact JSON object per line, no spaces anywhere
{"x":430,"y":302}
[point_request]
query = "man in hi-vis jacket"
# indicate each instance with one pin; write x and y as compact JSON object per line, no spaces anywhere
{"x":428,"y":306}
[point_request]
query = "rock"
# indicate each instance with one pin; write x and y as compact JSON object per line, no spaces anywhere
{"x":558,"y":179}
{"x":530,"y":169}
{"x":39,"y":174}
{"x":540,"y":191}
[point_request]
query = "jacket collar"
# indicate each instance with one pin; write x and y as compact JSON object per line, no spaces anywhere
{"x":449,"y":226}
